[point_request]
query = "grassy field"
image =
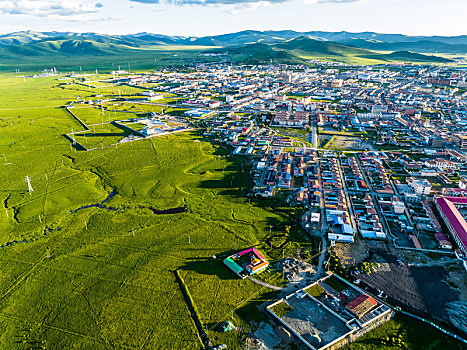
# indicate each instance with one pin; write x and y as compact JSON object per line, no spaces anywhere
{"x":103,"y":277}
{"x":145,"y":59}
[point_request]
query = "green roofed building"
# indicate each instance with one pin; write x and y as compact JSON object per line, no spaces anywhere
{"x":234,"y":267}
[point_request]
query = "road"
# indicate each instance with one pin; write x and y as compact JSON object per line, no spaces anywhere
{"x":323,"y":228}
{"x":347,"y":198}
{"x":314,"y":134}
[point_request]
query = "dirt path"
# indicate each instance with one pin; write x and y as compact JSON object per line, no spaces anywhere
{"x":264,"y":284}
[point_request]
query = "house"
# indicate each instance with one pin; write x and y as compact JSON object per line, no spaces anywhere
{"x":460,"y":140}
{"x":449,"y":207}
{"x":440,"y":163}
{"x":419,"y":187}
{"x":247,"y":262}
{"x":361,"y":305}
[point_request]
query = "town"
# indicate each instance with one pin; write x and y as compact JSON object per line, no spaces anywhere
{"x":368,"y":151}
{"x":376,"y":157}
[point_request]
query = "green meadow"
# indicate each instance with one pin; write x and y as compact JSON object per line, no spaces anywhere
{"x":147,"y":58}
{"x":104,"y":277}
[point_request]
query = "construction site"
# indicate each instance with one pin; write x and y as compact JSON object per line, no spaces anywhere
{"x":329,"y":313}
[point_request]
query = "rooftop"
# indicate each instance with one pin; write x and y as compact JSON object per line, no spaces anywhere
{"x":455,"y":218}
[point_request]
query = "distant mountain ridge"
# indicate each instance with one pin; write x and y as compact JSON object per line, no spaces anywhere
{"x":285,"y":46}
{"x":297,"y":50}
{"x":370,"y":40}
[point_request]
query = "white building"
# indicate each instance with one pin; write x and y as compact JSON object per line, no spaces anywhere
{"x":420,"y":187}
{"x":440,"y":163}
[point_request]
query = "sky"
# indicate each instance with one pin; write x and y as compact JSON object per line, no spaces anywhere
{"x":211,"y":17}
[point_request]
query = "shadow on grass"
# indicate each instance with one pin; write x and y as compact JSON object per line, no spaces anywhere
{"x":213,"y":267}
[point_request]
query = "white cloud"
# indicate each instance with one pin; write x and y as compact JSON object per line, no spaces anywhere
{"x":236,"y":6}
{"x":248,"y":6}
{"x":50,"y":8}
{"x":250,"y":3}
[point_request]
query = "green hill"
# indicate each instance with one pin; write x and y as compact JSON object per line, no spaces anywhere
{"x":294,"y":51}
{"x":422,"y":46}
{"x":261,"y":54}
{"x":21,"y":38}
{"x":297,"y":51}
{"x":251,"y":47}
{"x":313,"y":47}
{"x":407,"y":56}
{"x":65,"y":46}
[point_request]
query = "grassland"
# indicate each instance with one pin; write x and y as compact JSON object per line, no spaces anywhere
{"x":104,"y":277}
{"x":148,"y":58}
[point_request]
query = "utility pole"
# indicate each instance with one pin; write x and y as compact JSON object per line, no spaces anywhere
{"x":30,"y":189}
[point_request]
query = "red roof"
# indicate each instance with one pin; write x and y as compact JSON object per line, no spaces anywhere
{"x":455,"y":218}
{"x":361,"y":305}
{"x":457,"y":200}
{"x":360,"y":299}
{"x":415,"y":242}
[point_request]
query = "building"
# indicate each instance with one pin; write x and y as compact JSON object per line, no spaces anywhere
{"x":247,"y":262}
{"x":449,"y":207}
{"x":420,"y":187}
{"x":460,"y":141}
{"x":361,"y":305}
{"x":440,"y":163}
{"x":197,"y":113}
{"x":148,"y":93}
{"x":454,"y":192}
{"x":397,"y":205}
{"x":287,"y":119}
{"x":324,"y":319}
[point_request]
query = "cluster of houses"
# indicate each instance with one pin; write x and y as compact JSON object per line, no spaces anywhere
{"x":417,"y":114}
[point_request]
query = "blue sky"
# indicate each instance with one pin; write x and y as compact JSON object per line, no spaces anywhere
{"x":206,"y":17}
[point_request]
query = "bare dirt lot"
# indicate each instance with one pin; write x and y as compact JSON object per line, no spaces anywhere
{"x":423,"y":290}
{"x":351,"y":254}
{"x":348,"y":143}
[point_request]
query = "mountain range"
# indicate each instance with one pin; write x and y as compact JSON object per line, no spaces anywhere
{"x":285,"y":46}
